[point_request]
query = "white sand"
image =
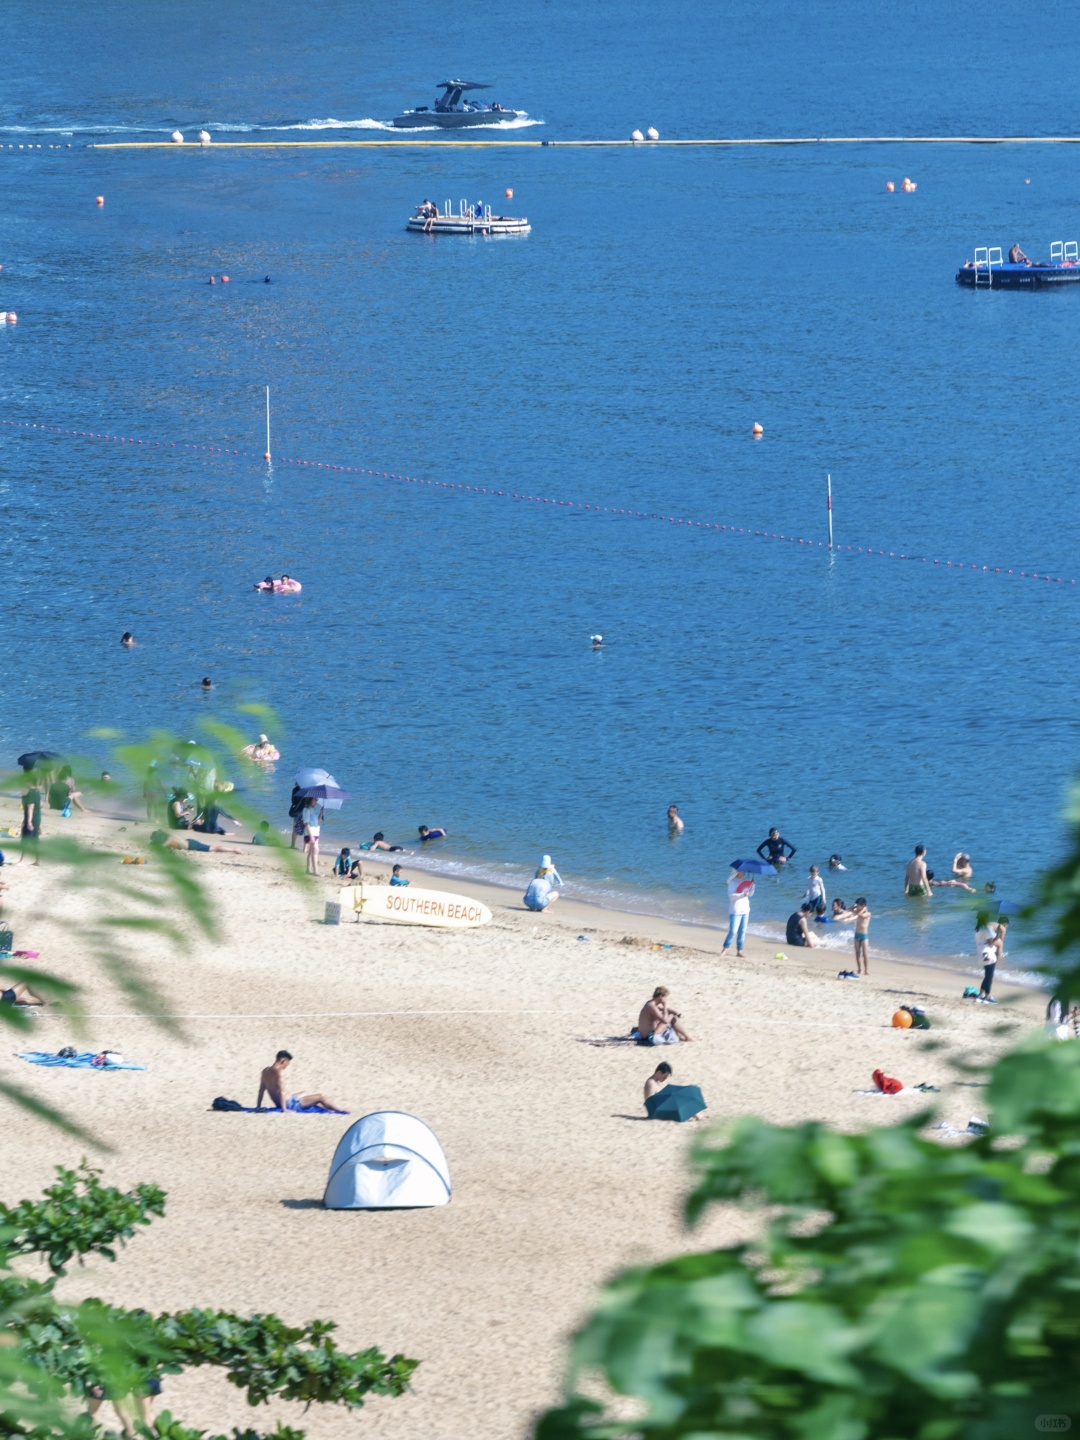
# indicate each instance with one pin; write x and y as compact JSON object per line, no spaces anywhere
{"x":558,"y":1179}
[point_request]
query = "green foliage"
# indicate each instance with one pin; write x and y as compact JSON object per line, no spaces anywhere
{"x":897,"y":1288}
{"x":77,"y":1216}
{"x":51,"y":1352}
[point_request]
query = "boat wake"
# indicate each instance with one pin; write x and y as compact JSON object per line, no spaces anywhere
{"x":238,"y":127}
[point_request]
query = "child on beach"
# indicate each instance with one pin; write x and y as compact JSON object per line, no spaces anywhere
{"x":343,"y":863}
{"x":396,"y":877}
{"x":862,"y":936}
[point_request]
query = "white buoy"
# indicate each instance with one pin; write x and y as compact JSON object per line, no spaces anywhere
{"x":176,"y":137}
{"x":204,"y":137}
{"x":652,"y":133}
{"x":636,"y":135}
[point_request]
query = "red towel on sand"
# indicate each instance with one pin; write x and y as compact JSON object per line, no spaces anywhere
{"x":886,"y":1083}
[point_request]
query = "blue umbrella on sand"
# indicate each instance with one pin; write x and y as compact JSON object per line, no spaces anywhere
{"x":675,"y":1102}
{"x":754,"y":867}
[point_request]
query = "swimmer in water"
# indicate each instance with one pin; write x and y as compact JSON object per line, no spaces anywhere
{"x":127,"y":639}
{"x":675,"y":824}
{"x":961,"y":865}
{"x":267,"y":280}
{"x":435,"y":833}
{"x":835,"y":863}
{"x":916,"y":882}
{"x":597,"y":642}
{"x":207,"y":683}
{"x":954,"y":884}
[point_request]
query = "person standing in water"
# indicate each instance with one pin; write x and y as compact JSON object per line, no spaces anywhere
{"x":675,"y":824}
{"x":916,"y":881}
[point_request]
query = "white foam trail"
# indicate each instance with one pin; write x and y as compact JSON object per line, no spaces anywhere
{"x":239,"y":127}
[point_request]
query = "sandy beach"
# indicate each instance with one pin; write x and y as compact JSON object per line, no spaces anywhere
{"x":494,"y":1037}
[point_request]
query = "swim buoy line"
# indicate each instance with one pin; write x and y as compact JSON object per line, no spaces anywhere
{"x":44,"y":431}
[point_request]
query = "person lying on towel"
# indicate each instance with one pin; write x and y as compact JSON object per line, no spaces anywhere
{"x":270,"y":1084}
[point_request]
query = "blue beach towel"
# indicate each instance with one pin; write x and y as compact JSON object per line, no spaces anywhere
{"x":85,"y":1061}
{"x":292,"y":1107}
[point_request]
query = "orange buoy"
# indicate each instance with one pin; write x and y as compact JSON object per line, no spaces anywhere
{"x":99,"y":199}
{"x":902,"y":1020}
{"x":11,"y":317}
{"x":266,"y":454}
{"x":509,"y":193}
{"x":758,"y":430}
{"x":224,"y":279}
{"x":890,"y":186}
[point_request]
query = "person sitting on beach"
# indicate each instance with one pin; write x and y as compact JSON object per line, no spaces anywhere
{"x":541,"y":892}
{"x":675,"y":824}
{"x":1017,"y":256}
{"x":396,"y":877}
{"x":178,"y":820}
{"x":62,"y":792}
{"x":961,"y":865}
{"x":435,"y":833}
{"x":344,"y":862}
{"x":270,"y":1084}
{"x":18,"y":994}
{"x":916,"y":883}
{"x":954,"y":884}
{"x":658,"y":1024}
{"x":797,"y":931}
{"x":774,"y":845}
{"x":262,"y":834}
{"x":658,"y":1079}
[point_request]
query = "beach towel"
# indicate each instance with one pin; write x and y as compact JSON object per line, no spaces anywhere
{"x":84,"y":1061}
{"x":222,"y":1105}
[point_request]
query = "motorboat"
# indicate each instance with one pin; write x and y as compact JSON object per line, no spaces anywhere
{"x":451,"y":111}
{"x":470,"y":220}
{"x":990,"y":270}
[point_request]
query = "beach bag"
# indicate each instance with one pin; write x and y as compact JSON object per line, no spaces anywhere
{"x":221,"y":1103}
{"x":886,"y":1084}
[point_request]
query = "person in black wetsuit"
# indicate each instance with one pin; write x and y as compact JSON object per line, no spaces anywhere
{"x":775,"y":845}
{"x":797,"y":931}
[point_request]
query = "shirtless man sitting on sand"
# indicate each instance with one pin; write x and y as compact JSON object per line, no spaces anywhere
{"x":916,"y":880}
{"x":270,"y":1084}
{"x":658,"y":1079}
{"x":658,"y":1024}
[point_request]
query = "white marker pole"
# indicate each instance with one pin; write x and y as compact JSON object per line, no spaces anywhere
{"x":267,"y":455}
{"x":828,"y":479}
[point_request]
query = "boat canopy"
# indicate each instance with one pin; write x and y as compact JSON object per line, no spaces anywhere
{"x":463,"y":85}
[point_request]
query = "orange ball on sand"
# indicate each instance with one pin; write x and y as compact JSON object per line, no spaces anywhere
{"x":901,"y":1020}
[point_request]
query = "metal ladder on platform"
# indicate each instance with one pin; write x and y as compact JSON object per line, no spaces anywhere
{"x":1064,"y":252}
{"x":988,"y":255}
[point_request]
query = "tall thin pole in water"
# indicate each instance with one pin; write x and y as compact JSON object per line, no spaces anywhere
{"x":267,"y":455}
{"x":828,"y":479}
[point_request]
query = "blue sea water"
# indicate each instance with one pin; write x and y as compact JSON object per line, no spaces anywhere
{"x":438,"y":659}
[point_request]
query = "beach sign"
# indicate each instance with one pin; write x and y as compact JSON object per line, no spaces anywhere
{"x":414,"y":906}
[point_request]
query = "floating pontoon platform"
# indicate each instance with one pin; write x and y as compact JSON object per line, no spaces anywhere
{"x":469,"y":220}
{"x":989,"y":270}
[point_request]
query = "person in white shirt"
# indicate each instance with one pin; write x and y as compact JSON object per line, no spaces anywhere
{"x":739,"y":888}
{"x":815,"y":892}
